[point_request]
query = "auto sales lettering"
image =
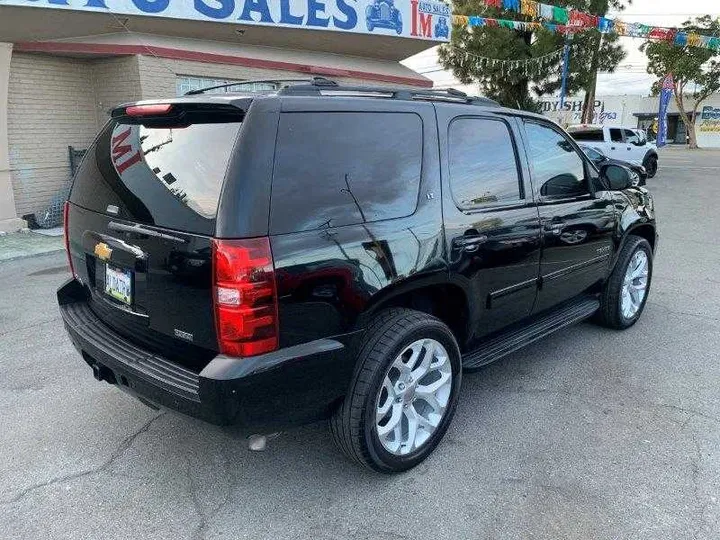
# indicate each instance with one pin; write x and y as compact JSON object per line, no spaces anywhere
{"x":426,"y":19}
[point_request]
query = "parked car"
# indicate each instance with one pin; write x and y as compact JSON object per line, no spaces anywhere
{"x":383,"y":14}
{"x":638,"y":174}
{"x":234,"y":259}
{"x":625,"y":144}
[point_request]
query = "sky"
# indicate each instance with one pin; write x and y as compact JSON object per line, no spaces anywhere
{"x":631,"y":76}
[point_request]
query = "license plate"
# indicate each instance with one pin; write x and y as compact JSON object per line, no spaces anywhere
{"x":118,"y":284}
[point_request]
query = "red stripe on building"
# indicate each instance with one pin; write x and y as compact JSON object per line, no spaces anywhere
{"x":209,"y":58}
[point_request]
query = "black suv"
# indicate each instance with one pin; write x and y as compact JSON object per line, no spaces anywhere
{"x":320,"y":251}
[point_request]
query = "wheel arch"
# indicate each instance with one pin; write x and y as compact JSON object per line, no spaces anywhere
{"x":650,"y":153}
{"x":646,"y":230}
{"x":447,"y":301}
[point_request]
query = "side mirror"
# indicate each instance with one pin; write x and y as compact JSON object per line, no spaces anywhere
{"x":617,"y":177}
{"x":641,"y":142}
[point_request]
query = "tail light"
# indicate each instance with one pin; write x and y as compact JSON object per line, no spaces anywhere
{"x":245,"y":296}
{"x":66,"y":230}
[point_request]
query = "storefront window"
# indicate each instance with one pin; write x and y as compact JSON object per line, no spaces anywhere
{"x":186,"y":83}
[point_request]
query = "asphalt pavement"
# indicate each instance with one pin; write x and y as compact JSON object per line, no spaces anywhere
{"x":588,"y":434}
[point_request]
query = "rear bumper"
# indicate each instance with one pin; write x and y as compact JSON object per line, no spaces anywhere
{"x":288,"y":387}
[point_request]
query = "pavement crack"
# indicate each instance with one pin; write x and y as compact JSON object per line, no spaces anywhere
{"x":204,"y":518}
{"x":675,"y":312}
{"x":123,"y":447}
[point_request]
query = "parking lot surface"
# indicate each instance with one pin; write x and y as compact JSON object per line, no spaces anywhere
{"x":587,"y":434}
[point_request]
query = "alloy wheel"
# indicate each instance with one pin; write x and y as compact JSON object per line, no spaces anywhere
{"x":414,"y":397}
{"x":635,"y":284}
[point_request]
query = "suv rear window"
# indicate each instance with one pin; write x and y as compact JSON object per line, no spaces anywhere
{"x":344,"y":168}
{"x":595,"y":135}
{"x":169,"y":177}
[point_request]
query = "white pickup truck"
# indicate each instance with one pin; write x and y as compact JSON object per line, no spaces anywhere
{"x":627,"y":144}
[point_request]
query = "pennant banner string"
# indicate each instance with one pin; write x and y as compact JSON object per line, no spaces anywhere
{"x":568,"y":21}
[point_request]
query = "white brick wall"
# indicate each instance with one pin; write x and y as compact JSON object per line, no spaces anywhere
{"x":158,"y":75}
{"x":116,"y":80}
{"x":50,"y":106}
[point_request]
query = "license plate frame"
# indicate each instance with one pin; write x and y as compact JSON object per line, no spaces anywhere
{"x":119,"y":284}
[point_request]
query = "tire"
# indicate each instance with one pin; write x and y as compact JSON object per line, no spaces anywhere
{"x":612,"y":313}
{"x":651,"y":166}
{"x":355,"y":426}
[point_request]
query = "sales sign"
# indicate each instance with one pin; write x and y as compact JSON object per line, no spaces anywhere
{"x":426,"y":19}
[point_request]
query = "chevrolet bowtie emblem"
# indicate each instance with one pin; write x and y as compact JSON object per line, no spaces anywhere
{"x":102,"y":251}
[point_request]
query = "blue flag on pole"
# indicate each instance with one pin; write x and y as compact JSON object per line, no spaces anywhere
{"x":665,"y":95}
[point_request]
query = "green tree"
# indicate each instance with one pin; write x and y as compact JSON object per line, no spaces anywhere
{"x":516,"y":87}
{"x":690,"y":66}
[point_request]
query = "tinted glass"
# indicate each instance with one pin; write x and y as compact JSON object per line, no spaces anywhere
{"x":593,"y":154}
{"x":558,"y":170}
{"x":616,"y":135}
{"x":166,"y":177}
{"x":594,"y":135}
{"x":631,"y":137}
{"x":334,"y":169}
{"x":483,"y":168}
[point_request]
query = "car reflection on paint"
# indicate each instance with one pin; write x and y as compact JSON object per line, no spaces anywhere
{"x":383,"y":14}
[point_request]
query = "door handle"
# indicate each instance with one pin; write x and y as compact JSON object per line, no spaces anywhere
{"x":554,"y":227}
{"x":470,"y":243}
{"x":612,"y":148}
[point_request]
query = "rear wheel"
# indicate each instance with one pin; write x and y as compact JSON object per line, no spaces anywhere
{"x":404,"y":392}
{"x":625,"y":294}
{"x":651,"y":166}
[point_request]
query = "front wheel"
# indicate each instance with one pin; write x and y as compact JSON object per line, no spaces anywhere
{"x":651,"y":166}
{"x":404,"y":392}
{"x":626,"y":292}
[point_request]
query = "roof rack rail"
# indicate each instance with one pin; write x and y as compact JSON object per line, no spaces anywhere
{"x":326,"y":87}
{"x":280,"y":83}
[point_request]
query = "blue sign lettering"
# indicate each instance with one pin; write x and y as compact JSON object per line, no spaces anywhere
{"x":285,"y":16}
{"x":257,"y":6}
{"x":224,"y":11}
{"x":315,"y":7}
{"x":152,"y":6}
{"x":351,"y":16}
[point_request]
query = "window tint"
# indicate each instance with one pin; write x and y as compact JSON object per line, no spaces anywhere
{"x":345,"y":168}
{"x":595,"y":135}
{"x":616,"y":135}
{"x":631,"y":137}
{"x":483,"y":168}
{"x":558,"y":170}
{"x":593,"y":154}
{"x":167,"y":177}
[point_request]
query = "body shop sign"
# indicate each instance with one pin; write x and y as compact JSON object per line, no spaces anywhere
{"x":425,"y":19}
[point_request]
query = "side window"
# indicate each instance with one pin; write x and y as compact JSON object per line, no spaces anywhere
{"x":343,"y":168}
{"x":631,"y":137}
{"x":595,"y":135}
{"x":483,"y":164}
{"x":558,"y":170}
{"x":616,"y":135}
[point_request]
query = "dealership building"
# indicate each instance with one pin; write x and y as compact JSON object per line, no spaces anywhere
{"x":65,"y":63}
{"x":641,"y":112}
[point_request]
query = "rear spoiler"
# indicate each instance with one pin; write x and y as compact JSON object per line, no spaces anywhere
{"x":179,"y":113}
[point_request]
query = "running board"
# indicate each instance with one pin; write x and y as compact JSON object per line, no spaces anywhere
{"x":518,"y":337}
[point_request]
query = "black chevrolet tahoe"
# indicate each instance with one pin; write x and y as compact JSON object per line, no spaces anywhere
{"x":320,"y":251}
